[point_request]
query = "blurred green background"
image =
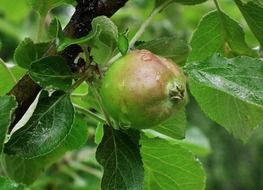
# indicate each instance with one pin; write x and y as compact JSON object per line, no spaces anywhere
{"x":229,"y":164}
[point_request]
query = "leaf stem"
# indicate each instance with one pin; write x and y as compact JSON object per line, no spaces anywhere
{"x":217,"y":6}
{"x":90,"y":113}
{"x":142,"y":28}
{"x":8,"y":71}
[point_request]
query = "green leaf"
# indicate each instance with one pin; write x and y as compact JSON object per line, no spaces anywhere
{"x":64,"y":42}
{"x":230,"y":92}
{"x":175,"y":126}
{"x":169,"y":166}
{"x":7,"y":105}
{"x":78,"y":135}
{"x":104,"y":34}
{"x":7,"y":81}
{"x":52,"y":73}
{"x":43,"y":6}
{"x":109,"y":31}
{"x":252,"y":11}
{"x":49,"y":125}
{"x":55,"y":29}
{"x":119,"y":155}
{"x":106,"y":42}
{"x":6,"y":184}
{"x":217,"y":32}
{"x":25,"y":53}
{"x":99,"y":133}
{"x":28,"y":170}
{"x":168,"y":47}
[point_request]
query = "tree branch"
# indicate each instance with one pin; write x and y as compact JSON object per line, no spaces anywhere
{"x":26,"y":89}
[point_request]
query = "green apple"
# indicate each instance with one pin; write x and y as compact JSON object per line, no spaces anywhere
{"x":143,"y":90}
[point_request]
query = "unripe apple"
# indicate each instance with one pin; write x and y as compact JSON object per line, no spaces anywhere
{"x":142,"y":89}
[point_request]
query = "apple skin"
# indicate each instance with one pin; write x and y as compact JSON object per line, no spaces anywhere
{"x":142,"y":90}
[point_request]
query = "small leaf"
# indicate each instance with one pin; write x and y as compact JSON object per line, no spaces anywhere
{"x":169,"y":166}
{"x":25,"y":53}
{"x":123,"y":44}
{"x":55,"y":29}
{"x":49,"y":125}
{"x":217,"y":32}
{"x":174,"y":127}
{"x":230,"y":92}
{"x":106,"y":42}
{"x":7,"y":184}
{"x":109,"y":31}
{"x":169,"y":47}
{"x":104,"y":34}
{"x":7,"y":105}
{"x":99,"y":133}
{"x":87,"y":40}
{"x":51,"y":73}
{"x":252,"y":11}
{"x":120,"y":157}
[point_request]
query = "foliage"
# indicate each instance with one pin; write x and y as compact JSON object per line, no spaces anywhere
{"x":66,"y":139}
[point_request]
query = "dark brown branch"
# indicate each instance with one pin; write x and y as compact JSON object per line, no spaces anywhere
{"x":26,"y":89}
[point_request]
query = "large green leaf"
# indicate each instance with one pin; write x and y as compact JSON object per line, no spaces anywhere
{"x":174,"y":127}
{"x":230,"y":92}
{"x":169,"y":166}
{"x":7,"y":184}
{"x":28,"y":170}
{"x":217,"y":32}
{"x":252,"y":11}
{"x":49,"y":125}
{"x":52,"y":73}
{"x":168,"y":47}
{"x":43,"y":6}
{"x":7,"y":105}
{"x":119,"y":155}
